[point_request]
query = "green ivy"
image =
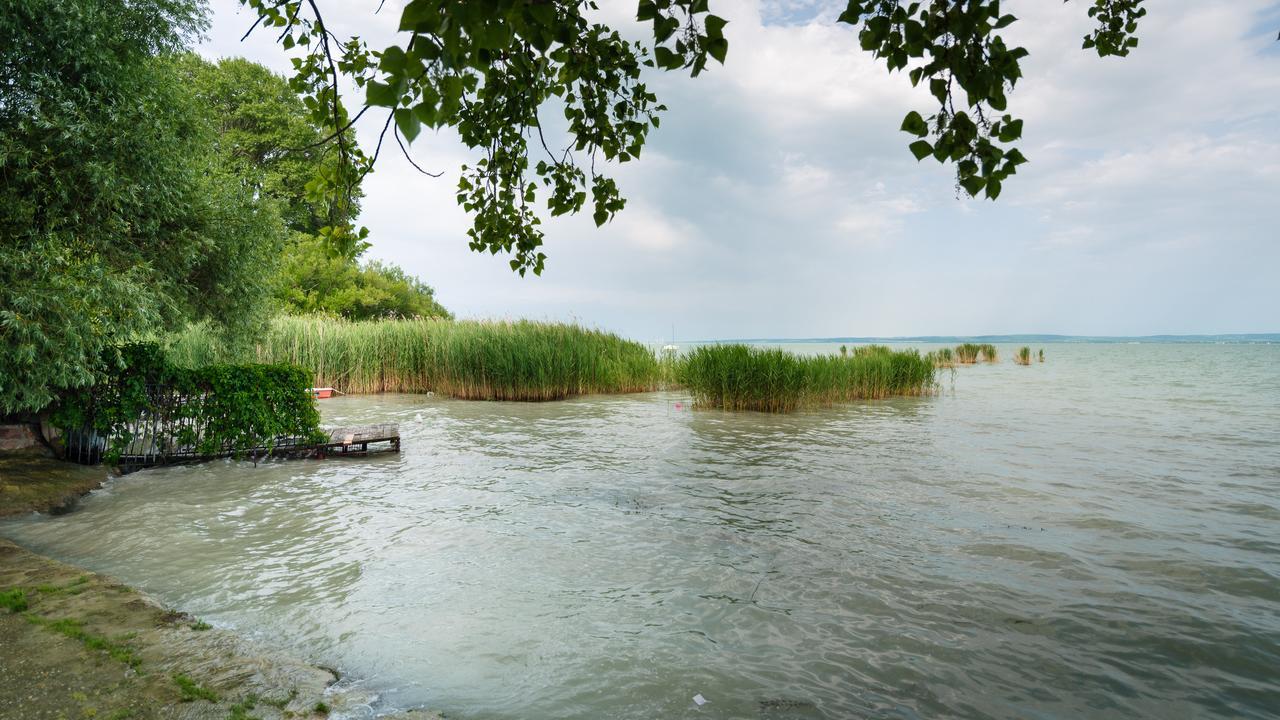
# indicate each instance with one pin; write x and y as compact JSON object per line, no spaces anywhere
{"x":237,"y":407}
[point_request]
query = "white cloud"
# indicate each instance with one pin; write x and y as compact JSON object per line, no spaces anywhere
{"x":778,"y":197}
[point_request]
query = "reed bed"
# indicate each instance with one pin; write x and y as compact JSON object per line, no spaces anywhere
{"x":971,"y":353}
{"x":944,"y":358}
{"x":967,"y":354}
{"x":741,"y":377}
{"x":483,"y":360}
{"x":1041,"y":354}
{"x":1023,"y":357}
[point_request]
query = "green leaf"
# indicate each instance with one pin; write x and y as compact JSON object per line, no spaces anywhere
{"x":1010,"y":131}
{"x":420,"y":15}
{"x":666,"y":58}
{"x":915,"y":124}
{"x":392,"y":61}
{"x":715,"y":26}
{"x":973,"y":185}
{"x":921,"y":149}
{"x":939,"y":88}
{"x":718,"y":48}
{"x":408,"y":123}
{"x":381,"y":94}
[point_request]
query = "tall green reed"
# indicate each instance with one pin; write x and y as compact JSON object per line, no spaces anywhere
{"x":489,"y":360}
{"x":741,"y":377}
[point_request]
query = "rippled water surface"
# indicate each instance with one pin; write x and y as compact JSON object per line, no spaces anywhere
{"x":1098,"y":536}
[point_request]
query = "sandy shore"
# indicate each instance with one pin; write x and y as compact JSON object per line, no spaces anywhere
{"x":75,"y":644}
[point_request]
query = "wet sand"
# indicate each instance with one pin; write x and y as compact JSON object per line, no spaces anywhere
{"x":75,"y":644}
{"x":31,"y":481}
{"x":87,"y":646}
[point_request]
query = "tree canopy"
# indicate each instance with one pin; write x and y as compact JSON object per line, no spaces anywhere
{"x":265,"y":136}
{"x":491,"y":69}
{"x":314,"y":280}
{"x":115,"y":220}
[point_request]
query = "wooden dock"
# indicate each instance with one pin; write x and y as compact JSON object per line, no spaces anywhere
{"x":358,"y":440}
{"x":342,"y":442}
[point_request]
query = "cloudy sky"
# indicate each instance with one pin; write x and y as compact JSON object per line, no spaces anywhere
{"x":778,"y":198}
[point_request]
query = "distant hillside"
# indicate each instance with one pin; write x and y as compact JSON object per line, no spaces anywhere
{"x":1033,"y":339}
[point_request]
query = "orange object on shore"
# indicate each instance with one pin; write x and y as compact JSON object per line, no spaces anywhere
{"x":321,"y":393}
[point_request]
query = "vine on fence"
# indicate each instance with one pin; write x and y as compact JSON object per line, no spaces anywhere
{"x":219,"y":408}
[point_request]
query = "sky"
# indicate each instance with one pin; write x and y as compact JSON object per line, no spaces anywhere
{"x":778,"y":197}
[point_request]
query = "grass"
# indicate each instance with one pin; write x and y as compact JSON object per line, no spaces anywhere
{"x":75,"y":587}
{"x":240,"y":711}
{"x":741,"y":377}
{"x":1024,"y":356}
{"x":191,"y":690}
{"x":14,"y":600}
{"x":74,"y":629}
{"x":483,"y":360}
{"x":1041,"y":354}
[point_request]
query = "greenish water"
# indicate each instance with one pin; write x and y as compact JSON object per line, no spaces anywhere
{"x":1097,"y":536}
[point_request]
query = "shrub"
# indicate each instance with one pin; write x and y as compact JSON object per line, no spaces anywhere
{"x":211,"y":409}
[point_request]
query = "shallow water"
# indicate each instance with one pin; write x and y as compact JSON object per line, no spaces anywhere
{"x":1097,"y":536}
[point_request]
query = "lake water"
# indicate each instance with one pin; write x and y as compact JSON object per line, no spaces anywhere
{"x":1097,"y":536}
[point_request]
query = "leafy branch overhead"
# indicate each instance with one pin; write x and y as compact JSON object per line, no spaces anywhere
{"x":956,"y":49}
{"x":494,"y":70}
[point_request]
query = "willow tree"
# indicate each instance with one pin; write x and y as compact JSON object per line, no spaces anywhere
{"x":489,"y":69}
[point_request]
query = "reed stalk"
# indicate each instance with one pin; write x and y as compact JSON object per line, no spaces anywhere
{"x":1023,"y":357}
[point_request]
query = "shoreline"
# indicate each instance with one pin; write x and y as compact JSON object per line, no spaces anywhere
{"x":80,"y":644}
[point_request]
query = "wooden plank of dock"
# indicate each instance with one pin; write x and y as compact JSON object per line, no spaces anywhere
{"x":356,"y":440}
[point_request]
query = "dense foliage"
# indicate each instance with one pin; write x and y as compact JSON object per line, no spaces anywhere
{"x":519,"y":360}
{"x":214,"y":408}
{"x":115,"y":219}
{"x":266,"y":137}
{"x":742,"y":377}
{"x":488,"y":70}
{"x":313,"y":280}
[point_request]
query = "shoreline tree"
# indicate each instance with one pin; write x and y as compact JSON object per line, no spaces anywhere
{"x":266,"y":137}
{"x":116,"y":223}
{"x":133,"y":204}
